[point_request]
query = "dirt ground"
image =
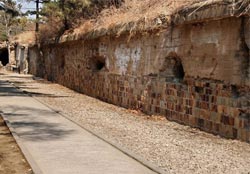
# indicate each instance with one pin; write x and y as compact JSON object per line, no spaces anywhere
{"x":168,"y":145}
{"x":12,"y":160}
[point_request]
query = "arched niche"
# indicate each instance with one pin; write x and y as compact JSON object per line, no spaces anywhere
{"x":97,"y":63}
{"x":172,"y":67}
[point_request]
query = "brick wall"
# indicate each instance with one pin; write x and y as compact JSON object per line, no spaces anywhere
{"x":211,"y":106}
{"x":140,"y":73}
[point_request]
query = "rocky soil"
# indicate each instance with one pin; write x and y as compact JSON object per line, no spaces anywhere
{"x":171,"y":146}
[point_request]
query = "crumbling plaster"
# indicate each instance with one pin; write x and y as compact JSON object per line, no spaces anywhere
{"x":208,"y":50}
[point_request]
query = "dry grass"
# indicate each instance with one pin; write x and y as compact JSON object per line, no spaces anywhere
{"x":142,"y":15}
{"x":26,"y":38}
{"x":145,"y":15}
{"x":135,"y":15}
{"x":244,"y":6}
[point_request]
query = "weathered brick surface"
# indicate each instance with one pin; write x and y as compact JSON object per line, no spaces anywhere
{"x":214,"y":94}
{"x":222,"y":115}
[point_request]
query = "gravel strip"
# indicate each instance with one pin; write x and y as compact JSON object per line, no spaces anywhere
{"x":171,"y":146}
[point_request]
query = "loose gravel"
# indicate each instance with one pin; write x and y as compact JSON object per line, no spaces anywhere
{"x":169,"y":145}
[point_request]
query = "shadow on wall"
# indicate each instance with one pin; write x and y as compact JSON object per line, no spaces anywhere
{"x":4,"y":56}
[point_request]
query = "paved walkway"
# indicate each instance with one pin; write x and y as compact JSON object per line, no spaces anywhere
{"x":54,"y":145}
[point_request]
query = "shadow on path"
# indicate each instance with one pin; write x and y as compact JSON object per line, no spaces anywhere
{"x":41,"y":131}
{"x":29,"y":122}
{"x":6,"y":90}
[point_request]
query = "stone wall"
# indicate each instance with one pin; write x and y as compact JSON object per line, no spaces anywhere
{"x":19,"y":58}
{"x":35,"y":62}
{"x":195,"y":74}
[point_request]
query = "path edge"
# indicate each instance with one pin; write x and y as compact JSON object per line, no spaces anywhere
{"x":127,"y":152}
{"x":35,"y":168}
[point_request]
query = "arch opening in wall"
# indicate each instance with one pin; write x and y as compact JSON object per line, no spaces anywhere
{"x":172,"y":68}
{"x":4,"y":56}
{"x":178,"y":70}
{"x":97,"y":63}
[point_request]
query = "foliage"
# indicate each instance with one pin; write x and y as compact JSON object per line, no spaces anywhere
{"x":3,"y":36}
{"x":22,"y":22}
{"x":9,"y":21}
{"x":62,"y":15}
{"x":65,"y":11}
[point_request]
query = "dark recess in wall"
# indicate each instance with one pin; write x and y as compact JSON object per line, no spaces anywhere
{"x":179,"y":71}
{"x":97,"y":63}
{"x":4,"y":56}
{"x":172,"y":68}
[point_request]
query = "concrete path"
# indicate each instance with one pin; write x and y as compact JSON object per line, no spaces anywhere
{"x":54,"y":145}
